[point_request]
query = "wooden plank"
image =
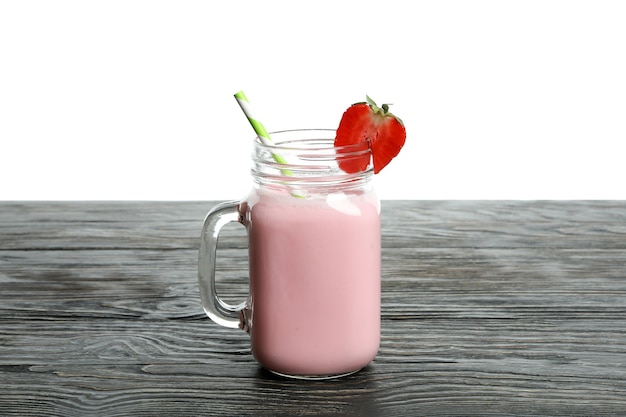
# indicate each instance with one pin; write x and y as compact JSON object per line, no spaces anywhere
{"x":138,"y":282}
{"x":480,"y":364}
{"x":117,"y":225}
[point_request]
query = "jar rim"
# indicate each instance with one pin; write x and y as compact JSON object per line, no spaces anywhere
{"x":308,"y":137}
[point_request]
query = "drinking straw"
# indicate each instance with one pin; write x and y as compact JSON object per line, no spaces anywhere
{"x":258,"y":127}
{"x":264,"y":137}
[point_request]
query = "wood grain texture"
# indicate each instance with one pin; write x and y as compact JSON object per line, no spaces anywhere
{"x":489,"y":308}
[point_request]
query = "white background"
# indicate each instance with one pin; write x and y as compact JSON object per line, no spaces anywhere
{"x":134,"y":99}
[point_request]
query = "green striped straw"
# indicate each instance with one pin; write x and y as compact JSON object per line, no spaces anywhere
{"x":264,"y":137}
{"x":259,"y":128}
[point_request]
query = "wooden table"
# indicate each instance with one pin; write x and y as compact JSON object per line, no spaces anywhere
{"x":489,"y":308}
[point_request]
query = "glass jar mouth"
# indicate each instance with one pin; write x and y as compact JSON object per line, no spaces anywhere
{"x":308,"y":158}
{"x":304,"y":146}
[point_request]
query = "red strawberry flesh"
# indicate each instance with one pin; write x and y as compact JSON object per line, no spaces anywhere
{"x":366,"y":122}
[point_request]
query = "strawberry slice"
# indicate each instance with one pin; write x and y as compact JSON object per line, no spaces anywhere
{"x":366,"y":122}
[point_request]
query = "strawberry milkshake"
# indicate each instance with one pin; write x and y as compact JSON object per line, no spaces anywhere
{"x":314,"y":281}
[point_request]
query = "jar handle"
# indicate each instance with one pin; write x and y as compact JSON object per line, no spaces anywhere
{"x":219,"y":311}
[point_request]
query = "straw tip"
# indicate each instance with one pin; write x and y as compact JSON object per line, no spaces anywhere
{"x":240,"y":95}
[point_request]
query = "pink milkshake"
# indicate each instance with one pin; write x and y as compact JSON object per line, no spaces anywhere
{"x":314,"y":281}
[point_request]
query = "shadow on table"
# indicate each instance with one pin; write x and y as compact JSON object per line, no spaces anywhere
{"x":353,"y":395}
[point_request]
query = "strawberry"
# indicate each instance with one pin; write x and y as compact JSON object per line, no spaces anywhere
{"x":366,"y":122}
